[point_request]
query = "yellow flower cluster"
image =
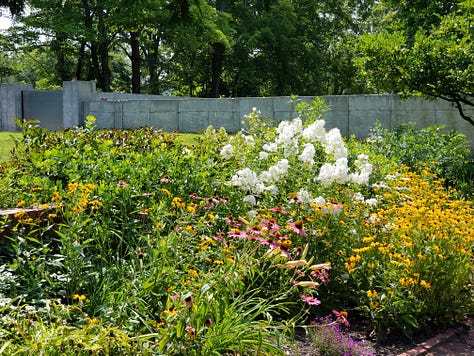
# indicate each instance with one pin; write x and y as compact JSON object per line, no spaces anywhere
{"x":416,"y":230}
{"x":79,"y":193}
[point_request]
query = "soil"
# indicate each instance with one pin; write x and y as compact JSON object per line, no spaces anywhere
{"x":394,"y":343}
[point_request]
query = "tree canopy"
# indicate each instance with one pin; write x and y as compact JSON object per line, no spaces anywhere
{"x":214,"y":48}
{"x":424,"y":52}
{"x":188,"y":47}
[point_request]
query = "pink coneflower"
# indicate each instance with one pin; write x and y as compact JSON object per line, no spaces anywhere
{"x":254,"y":230}
{"x":122,"y":184}
{"x":278,"y":209}
{"x":236,"y":233}
{"x":322,"y":275}
{"x":165,"y":179}
{"x":258,"y":239}
{"x":194,"y":196}
{"x":310,"y":300}
{"x":270,"y":224}
{"x":232,"y":222}
{"x":295,"y":199}
{"x":341,"y":317}
{"x":279,"y":235}
{"x":297,"y":227}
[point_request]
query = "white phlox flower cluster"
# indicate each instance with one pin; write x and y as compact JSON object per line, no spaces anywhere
{"x":273,"y":173}
{"x":308,"y":153}
{"x":334,"y":172}
{"x":339,"y":171}
{"x":227,"y":152}
{"x":358,"y":197}
{"x":334,"y":145}
{"x":295,"y":140}
{"x":249,"y":140}
{"x":246,"y":179}
{"x":315,"y":132}
{"x":304,"y":197}
{"x":364,"y":170}
{"x":288,"y":136}
{"x":250,"y":182}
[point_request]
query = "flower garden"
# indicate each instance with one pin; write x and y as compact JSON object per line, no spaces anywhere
{"x":142,"y":244}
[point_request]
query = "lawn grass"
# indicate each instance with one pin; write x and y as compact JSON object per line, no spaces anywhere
{"x":7,"y":141}
{"x":187,"y":139}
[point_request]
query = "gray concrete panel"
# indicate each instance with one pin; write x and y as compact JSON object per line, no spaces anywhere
{"x":136,"y":106}
{"x":132,"y":120}
{"x":226,"y":119}
{"x":282,"y":104}
{"x":360,"y":122}
{"x":168,"y":121}
{"x":193,"y":105}
{"x":263,"y":105}
{"x":11,"y":105}
{"x":193,"y":121}
{"x":283,"y":115}
{"x":45,"y":106}
{"x":221,"y":105}
{"x":75,"y":93}
{"x":162,"y":106}
{"x":105,"y":120}
{"x":101,"y":106}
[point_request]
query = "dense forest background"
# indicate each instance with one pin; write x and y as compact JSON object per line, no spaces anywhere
{"x":226,"y":48}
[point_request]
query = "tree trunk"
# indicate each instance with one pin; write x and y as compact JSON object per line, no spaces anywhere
{"x":95,"y":69}
{"x":80,"y":61}
{"x":217,"y":58}
{"x":103,"y":50}
{"x":61,"y":71}
{"x":136,"y":62}
{"x":218,"y":50}
{"x":152,"y":62}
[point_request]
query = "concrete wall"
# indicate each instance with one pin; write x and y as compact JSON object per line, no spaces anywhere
{"x":352,"y":114}
{"x":11,"y":105}
{"x":45,"y":106}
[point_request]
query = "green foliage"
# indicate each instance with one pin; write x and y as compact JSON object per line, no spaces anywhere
{"x":138,"y":243}
{"x":434,"y":59}
{"x":447,"y":154}
{"x":192,"y":48}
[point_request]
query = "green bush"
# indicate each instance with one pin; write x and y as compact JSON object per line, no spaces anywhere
{"x":447,"y":154}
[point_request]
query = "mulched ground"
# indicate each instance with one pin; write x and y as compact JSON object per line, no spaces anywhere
{"x":429,"y":342}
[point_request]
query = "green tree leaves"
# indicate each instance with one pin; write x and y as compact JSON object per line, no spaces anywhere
{"x":433,"y":57}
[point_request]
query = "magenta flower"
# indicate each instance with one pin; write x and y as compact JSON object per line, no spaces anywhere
{"x":255,"y":230}
{"x":297,"y":227}
{"x":310,"y":300}
{"x":341,"y":317}
{"x":232,"y":222}
{"x":236,"y":233}
{"x":270,"y":224}
{"x":278,"y":209}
